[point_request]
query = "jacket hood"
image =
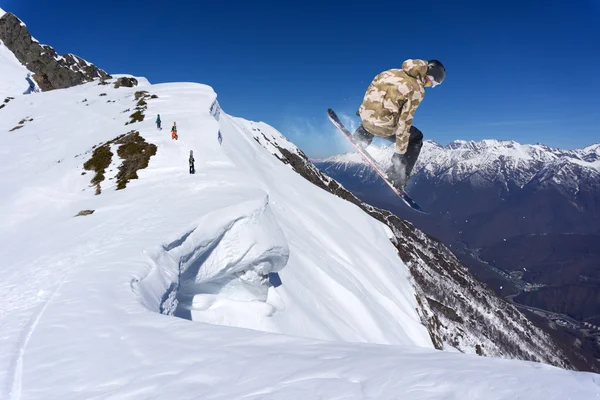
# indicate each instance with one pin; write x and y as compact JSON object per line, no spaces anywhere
{"x":416,"y":69}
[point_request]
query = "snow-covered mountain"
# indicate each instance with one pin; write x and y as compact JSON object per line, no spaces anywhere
{"x":491,"y":162}
{"x":124,"y":276}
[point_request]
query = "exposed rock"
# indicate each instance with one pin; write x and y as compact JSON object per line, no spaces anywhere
{"x":125,"y":82}
{"x":50,"y":71}
{"x":21,"y":123}
{"x":84,"y":213}
{"x":140,"y":94}
{"x":6,"y":101}
{"x":132,"y":149}
{"x":136,"y":154}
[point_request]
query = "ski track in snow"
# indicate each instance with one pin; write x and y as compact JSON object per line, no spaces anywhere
{"x":16,"y":367}
{"x":83,"y":297}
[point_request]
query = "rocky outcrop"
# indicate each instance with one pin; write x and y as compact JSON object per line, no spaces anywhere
{"x":125,"y":82}
{"x":50,"y":71}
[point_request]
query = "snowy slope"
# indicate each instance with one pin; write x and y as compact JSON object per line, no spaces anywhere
{"x":12,"y":73}
{"x":88,"y":302}
{"x":232,"y":209}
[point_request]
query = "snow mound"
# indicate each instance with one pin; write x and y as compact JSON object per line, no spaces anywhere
{"x":224,"y":261}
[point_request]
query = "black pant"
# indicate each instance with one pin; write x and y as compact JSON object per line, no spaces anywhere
{"x":192,"y":169}
{"x":415,"y":142}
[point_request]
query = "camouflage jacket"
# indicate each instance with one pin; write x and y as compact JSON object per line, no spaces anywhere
{"x":391,"y":100}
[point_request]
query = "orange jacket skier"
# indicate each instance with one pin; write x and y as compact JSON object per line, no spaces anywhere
{"x":174,"y":131}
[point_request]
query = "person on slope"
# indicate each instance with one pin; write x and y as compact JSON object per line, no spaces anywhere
{"x":388,"y":109}
{"x":174,"y":131}
{"x":158,"y":122}
{"x":191,"y":160}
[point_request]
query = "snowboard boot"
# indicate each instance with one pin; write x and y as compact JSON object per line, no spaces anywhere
{"x":402,"y":164}
{"x":362,"y":138}
{"x":396,"y":173}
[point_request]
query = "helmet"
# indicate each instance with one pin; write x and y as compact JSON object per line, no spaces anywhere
{"x":436,"y":72}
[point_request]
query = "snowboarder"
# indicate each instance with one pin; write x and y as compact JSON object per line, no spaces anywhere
{"x":174,"y":131}
{"x":191,"y":160}
{"x":388,"y":109}
{"x":158,"y":122}
{"x":219,"y":137}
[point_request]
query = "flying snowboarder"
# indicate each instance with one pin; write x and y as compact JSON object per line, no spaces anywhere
{"x":388,"y":109}
{"x":158,"y":122}
{"x":174,"y":131}
{"x":191,"y":160}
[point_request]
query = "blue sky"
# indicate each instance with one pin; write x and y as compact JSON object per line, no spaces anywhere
{"x":522,"y":70}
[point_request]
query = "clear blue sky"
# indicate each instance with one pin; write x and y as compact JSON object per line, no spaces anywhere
{"x":522,"y":70}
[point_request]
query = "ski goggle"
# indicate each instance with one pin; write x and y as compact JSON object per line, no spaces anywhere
{"x":431,"y":82}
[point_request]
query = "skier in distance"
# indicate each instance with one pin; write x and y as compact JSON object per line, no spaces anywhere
{"x":191,"y":162}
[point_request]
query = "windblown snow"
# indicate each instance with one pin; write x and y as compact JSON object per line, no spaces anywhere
{"x":163,"y":291}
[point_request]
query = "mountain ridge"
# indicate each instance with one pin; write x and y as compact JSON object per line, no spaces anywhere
{"x":462,"y":150}
{"x":49,"y":70}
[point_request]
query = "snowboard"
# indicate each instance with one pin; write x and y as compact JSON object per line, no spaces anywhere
{"x":369,"y":159}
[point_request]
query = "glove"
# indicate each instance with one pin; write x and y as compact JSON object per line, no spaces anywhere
{"x":362,"y":138}
{"x":396,"y":173}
